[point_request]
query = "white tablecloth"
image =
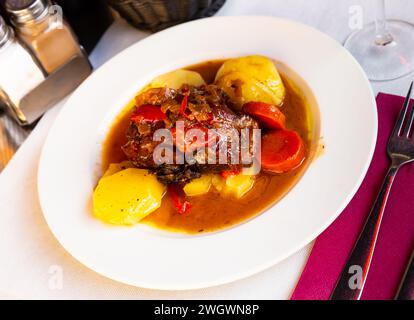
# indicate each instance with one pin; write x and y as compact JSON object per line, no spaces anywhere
{"x":34,"y":265}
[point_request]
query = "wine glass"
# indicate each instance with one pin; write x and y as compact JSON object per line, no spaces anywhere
{"x":385,"y":48}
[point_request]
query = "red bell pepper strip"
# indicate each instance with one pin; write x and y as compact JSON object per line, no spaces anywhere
{"x":148,"y":113}
{"x":229,"y":173}
{"x":178,"y":199}
{"x":183,"y":107}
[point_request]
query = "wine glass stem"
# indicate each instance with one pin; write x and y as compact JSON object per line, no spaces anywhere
{"x":383,"y":36}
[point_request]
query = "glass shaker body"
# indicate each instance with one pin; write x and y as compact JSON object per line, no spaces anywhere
{"x":51,"y":40}
{"x":19,"y":73}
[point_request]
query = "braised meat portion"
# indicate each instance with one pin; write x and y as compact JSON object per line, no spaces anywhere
{"x":206,"y":108}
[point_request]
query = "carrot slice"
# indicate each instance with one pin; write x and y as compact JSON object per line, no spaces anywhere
{"x":282,"y":151}
{"x":268,"y":115}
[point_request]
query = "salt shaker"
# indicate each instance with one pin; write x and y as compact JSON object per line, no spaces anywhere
{"x":19,"y":72}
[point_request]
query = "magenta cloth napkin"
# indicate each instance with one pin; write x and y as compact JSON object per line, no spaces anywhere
{"x":396,"y":238}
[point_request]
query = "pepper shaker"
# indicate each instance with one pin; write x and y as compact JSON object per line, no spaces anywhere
{"x":41,"y":28}
{"x":40,"y":25}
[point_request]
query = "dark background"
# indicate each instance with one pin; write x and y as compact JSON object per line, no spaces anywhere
{"x":88,"y":18}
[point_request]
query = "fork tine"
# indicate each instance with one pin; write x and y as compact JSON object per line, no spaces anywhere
{"x":410,"y":119}
{"x":403,"y":113}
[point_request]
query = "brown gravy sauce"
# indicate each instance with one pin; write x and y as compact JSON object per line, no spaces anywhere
{"x":212,"y":212}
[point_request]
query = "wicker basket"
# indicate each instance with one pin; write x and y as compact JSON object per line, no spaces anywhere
{"x":155,"y":15}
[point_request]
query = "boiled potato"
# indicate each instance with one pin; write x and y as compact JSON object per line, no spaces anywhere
{"x":176,"y":79}
{"x":127,"y":196}
{"x":218,"y":182}
{"x":235,"y":185}
{"x":239,"y":185}
{"x":251,"y":78}
{"x":116,"y":167}
{"x":199,"y":186}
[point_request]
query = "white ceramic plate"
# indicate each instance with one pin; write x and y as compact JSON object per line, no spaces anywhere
{"x":141,"y":256}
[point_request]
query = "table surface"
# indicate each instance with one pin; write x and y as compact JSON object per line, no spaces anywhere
{"x":331,"y":17}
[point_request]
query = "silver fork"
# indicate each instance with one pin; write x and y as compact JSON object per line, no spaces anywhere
{"x":400,"y":149}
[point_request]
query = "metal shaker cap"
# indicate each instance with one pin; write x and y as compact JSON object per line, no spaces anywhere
{"x":5,"y":33}
{"x":26,"y":11}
